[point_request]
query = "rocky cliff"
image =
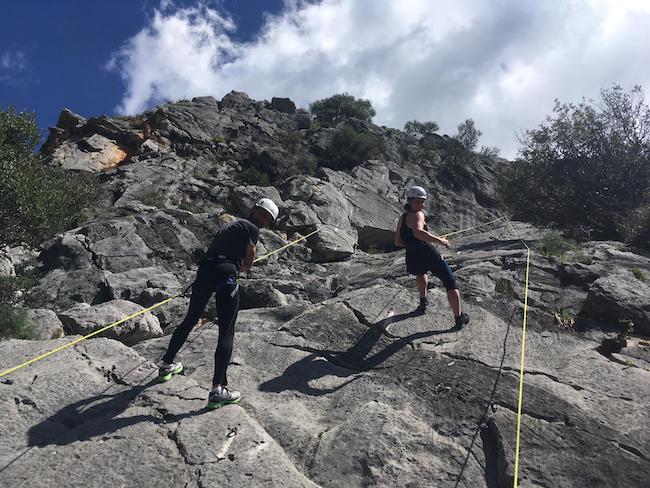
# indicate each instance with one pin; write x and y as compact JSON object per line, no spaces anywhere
{"x":342,"y":385}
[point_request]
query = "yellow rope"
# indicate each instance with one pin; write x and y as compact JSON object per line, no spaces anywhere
{"x":472,"y":228}
{"x":65,"y":346}
{"x":521,"y":366}
{"x":114,"y":324}
{"x":286,"y":245}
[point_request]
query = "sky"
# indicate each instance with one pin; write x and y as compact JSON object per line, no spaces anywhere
{"x":502,"y":63}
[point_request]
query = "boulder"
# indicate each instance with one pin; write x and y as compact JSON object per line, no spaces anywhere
{"x":284,"y":105}
{"x":84,"y":319}
{"x":303,"y":119}
{"x":140,"y":284}
{"x":45,"y":324}
{"x":62,"y":289}
{"x":69,"y":120}
{"x":6,"y":264}
{"x":332,"y":244}
{"x":236,"y":99}
{"x":615,"y":299}
{"x":67,"y":251}
{"x":261,"y":294}
{"x":198,"y":121}
{"x":94,"y":155}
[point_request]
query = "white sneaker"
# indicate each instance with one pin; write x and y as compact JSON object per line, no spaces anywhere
{"x":167,"y":371}
{"x":221,"y":396}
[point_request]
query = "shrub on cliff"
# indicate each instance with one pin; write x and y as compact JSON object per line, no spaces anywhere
{"x":586,"y":169}
{"x":36,"y":201}
{"x":348,"y":148}
{"x":331,"y":110}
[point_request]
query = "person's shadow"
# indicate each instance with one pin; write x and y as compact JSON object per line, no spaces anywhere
{"x":97,"y":416}
{"x":346,"y":363}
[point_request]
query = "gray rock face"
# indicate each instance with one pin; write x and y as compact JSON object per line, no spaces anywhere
{"x":332,"y":244}
{"x":617,"y":298}
{"x":95,"y":154}
{"x":303,"y":120}
{"x":6,"y":265}
{"x":284,"y":105}
{"x":45,"y":323}
{"x":84,"y":319}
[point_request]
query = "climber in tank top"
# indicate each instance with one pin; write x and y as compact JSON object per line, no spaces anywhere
{"x":422,"y":257}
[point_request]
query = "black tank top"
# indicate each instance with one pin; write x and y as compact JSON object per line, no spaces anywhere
{"x":408,"y":238}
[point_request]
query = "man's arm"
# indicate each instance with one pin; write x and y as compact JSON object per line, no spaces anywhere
{"x":249,"y":257}
{"x":424,"y":235}
{"x":398,"y":238}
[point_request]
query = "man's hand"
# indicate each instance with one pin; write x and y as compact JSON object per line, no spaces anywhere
{"x":444,"y":241}
{"x":249,"y":257}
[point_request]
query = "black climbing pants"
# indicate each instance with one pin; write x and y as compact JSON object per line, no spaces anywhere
{"x":219,"y":278}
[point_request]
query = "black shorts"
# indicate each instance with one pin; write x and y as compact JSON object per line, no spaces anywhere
{"x":424,"y":258}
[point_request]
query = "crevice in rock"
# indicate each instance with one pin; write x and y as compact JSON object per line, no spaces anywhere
{"x":632,"y":450}
{"x":173,"y":436}
{"x":543,"y":418}
{"x":360,"y":317}
{"x":537,"y":373}
{"x":625,"y":447}
{"x":496,"y":465}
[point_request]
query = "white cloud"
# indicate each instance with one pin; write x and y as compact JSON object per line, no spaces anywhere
{"x":11,"y":64}
{"x":501,"y":63}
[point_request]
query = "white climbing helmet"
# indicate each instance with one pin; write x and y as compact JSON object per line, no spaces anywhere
{"x":416,"y":192}
{"x":268,"y":205}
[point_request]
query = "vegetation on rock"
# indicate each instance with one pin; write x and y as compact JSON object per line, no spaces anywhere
{"x":331,"y":110}
{"x":586,"y":169}
{"x":36,"y":201}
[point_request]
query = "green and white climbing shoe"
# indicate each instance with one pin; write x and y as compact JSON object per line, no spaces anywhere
{"x":167,"y":371}
{"x":221,"y":396}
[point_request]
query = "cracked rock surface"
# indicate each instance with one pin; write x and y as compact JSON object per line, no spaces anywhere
{"x":354,"y":390}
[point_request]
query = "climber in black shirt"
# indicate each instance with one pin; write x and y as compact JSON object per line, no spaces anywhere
{"x":232,"y":250}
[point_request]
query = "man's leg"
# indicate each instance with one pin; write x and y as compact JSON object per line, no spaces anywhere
{"x":443,"y":271}
{"x":422,"y":281}
{"x":454,"y":301}
{"x":198,"y":301}
{"x":227,"y":309}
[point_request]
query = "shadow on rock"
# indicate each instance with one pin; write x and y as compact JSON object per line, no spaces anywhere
{"x":96,"y":417}
{"x":344,"y":363}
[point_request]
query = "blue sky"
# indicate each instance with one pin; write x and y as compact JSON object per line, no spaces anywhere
{"x":53,"y":53}
{"x":501,"y":62}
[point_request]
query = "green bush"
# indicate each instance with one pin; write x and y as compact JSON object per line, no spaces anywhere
{"x":329,"y":111}
{"x":10,"y":285}
{"x":348,"y":148}
{"x":553,"y":244}
{"x":638,"y":274}
{"x":300,"y":163}
{"x":636,"y":226}
{"x":420,"y":129}
{"x":253,"y":176}
{"x":15,"y":323}
{"x":153,"y":199}
{"x":468,"y":134}
{"x":587,"y":167}
{"x":36,"y":201}
{"x":505,"y":288}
